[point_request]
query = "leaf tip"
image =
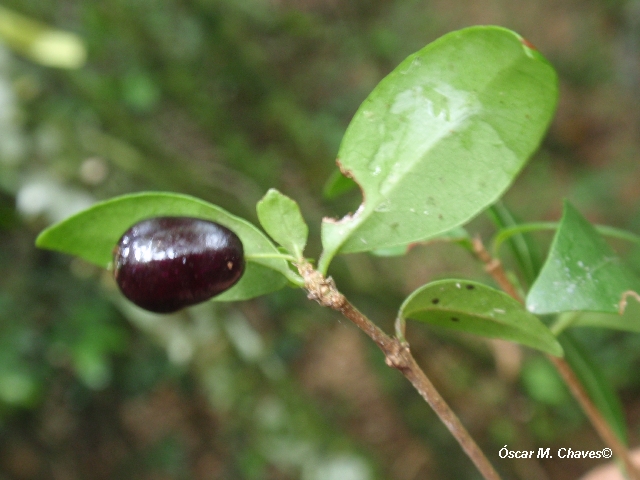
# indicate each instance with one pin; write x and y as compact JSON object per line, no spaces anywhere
{"x":42,"y":238}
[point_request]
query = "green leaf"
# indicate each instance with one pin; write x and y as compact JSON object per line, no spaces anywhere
{"x":476,"y":308}
{"x":280,"y":216}
{"x":521,"y":244}
{"x":93,"y":233}
{"x":596,"y":385}
{"x":254,"y":282}
{"x":629,"y":321}
{"x":458,"y":235}
{"x":581,"y":273}
{"x":337,"y":184}
{"x":442,"y":137}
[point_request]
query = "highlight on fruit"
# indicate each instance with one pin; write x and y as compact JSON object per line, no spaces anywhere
{"x":164,"y":264}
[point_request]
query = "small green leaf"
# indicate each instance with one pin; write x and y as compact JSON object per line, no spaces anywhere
{"x":280,"y":216}
{"x":596,"y":385}
{"x":476,"y":308}
{"x":441,"y":138}
{"x":581,"y":273}
{"x":93,"y":233}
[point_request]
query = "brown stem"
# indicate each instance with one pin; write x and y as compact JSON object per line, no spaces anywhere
{"x":495,"y":269}
{"x":594,"y":415}
{"x":398,"y":356}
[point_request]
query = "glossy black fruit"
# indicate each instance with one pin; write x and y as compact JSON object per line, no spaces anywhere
{"x":164,"y":264}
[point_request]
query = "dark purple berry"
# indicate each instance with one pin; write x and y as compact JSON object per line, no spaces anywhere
{"x":164,"y":264}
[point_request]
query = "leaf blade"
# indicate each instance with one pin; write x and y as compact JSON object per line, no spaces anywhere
{"x":337,"y":184}
{"x":456,"y":235}
{"x":628,"y":322}
{"x":521,"y":244}
{"x":439,"y":124}
{"x":93,"y":233}
{"x":581,"y":273}
{"x":478,"y":309}
{"x":280,"y":216}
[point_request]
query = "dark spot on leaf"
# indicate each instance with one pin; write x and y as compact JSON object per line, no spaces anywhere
{"x":440,"y":217}
{"x":435,"y":301}
{"x":455,"y":319}
{"x":470,"y":287}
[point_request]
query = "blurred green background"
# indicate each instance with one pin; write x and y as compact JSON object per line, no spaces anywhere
{"x":223,"y":100}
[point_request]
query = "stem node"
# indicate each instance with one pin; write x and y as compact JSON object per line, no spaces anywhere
{"x":398,"y":356}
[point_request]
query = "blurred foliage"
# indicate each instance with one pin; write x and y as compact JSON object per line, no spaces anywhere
{"x":223,"y":100}
{"x":40,"y":43}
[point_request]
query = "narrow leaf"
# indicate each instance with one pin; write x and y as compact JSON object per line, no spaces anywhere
{"x":476,"y":308}
{"x":280,"y":216}
{"x":441,"y":138}
{"x":521,"y":244}
{"x":93,"y":233}
{"x":581,"y":273}
{"x":596,"y":385}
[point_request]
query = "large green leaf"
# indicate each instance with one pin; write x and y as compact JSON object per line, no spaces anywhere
{"x":93,"y":233}
{"x":581,"y":273}
{"x":280,"y":217}
{"x":476,"y":308}
{"x":442,"y":137}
